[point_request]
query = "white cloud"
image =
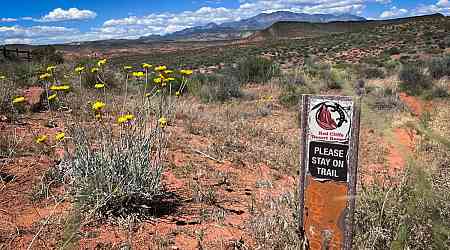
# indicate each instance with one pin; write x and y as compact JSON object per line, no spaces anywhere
{"x":442,"y":6}
{"x":59,"y":14}
{"x":7,"y":20}
{"x":136,"y":26}
{"x":34,"y":34}
{"x":394,"y":12}
{"x":443,"y":3}
{"x":161,"y":23}
{"x":18,"y":41}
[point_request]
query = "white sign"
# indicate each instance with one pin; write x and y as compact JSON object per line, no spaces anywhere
{"x":328,"y":138}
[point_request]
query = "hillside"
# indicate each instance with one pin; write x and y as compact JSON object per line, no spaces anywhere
{"x":288,"y":29}
{"x":238,"y":29}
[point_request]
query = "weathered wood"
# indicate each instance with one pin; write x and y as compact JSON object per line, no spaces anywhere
{"x":18,"y":53}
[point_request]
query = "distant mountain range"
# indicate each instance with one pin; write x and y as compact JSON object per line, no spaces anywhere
{"x":245,"y":27}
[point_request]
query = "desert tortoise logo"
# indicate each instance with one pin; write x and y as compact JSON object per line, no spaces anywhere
{"x":330,"y":115}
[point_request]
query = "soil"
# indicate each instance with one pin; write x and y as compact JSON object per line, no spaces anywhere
{"x":193,"y":225}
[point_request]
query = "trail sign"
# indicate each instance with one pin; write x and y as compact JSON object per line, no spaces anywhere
{"x":330,"y":137}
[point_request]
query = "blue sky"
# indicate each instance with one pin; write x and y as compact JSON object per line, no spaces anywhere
{"x":61,"y":21}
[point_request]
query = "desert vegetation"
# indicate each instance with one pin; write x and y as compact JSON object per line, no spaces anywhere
{"x":180,"y":150}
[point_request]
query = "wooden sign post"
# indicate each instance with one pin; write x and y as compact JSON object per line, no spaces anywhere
{"x":330,"y":138}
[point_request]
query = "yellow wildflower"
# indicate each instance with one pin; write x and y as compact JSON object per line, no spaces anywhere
{"x":60,"y":136}
{"x":52,"y":97}
{"x":168,"y":71}
{"x":2,"y":77}
{"x":18,"y":99}
{"x":146,"y":65}
{"x":177,"y":93}
{"x":60,"y":87}
{"x":40,"y":139}
{"x":45,"y":76}
{"x":125,"y":118}
{"x":101,"y":62}
{"x":186,"y":72}
{"x":147,"y":94}
{"x":162,"y":122}
{"x":127,"y":67}
{"x":160,"y":68}
{"x":138,"y":74}
{"x":99,"y":85}
{"x":51,"y":68}
{"x":268,"y":98}
{"x":94,"y":70}
{"x":170,"y":79}
{"x":157,"y":80}
{"x":98,"y":105}
{"x":79,"y":69}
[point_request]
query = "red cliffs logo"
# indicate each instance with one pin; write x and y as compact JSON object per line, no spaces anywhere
{"x":330,"y":115}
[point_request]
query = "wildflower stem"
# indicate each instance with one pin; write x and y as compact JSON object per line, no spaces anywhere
{"x":126,"y":93}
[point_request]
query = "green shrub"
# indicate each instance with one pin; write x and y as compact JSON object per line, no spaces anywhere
{"x":293,"y":86}
{"x":332,"y":78}
{"x":392,"y":51}
{"x":439,"y":67}
{"x":391,"y":66}
{"x":413,"y":79}
{"x":411,"y":215}
{"x":314,"y":68}
{"x":439,"y":91}
{"x":385,"y":99}
{"x":370,"y":72}
{"x":220,"y":88}
{"x":214,"y":87}
{"x":47,"y":55}
{"x":115,"y":173}
{"x":6,"y":97}
{"x":257,"y":70}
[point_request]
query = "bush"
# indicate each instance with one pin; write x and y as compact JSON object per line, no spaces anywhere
{"x":391,"y":66}
{"x":412,"y":215}
{"x":293,"y":86}
{"x":115,"y":173}
{"x":47,"y":55}
{"x":214,"y":88}
{"x":385,"y":99}
{"x":439,"y":91}
{"x":257,"y":70}
{"x":439,"y":67}
{"x":332,"y":78}
{"x":6,"y":96}
{"x":370,"y":72}
{"x":314,"y":68}
{"x":392,"y":51}
{"x":413,"y":79}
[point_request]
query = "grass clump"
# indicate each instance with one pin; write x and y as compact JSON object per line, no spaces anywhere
{"x":116,"y":173}
{"x":370,"y":72}
{"x":274,"y":223}
{"x":412,"y":215}
{"x":331,"y":78}
{"x":293,"y":86}
{"x":257,"y":69}
{"x":439,"y":67}
{"x":215,"y":87}
{"x":413,"y":79}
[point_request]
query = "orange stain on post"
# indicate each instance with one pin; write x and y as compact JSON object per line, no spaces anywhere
{"x":325,"y":204}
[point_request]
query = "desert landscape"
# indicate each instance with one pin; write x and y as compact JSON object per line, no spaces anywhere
{"x":192,"y":141}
